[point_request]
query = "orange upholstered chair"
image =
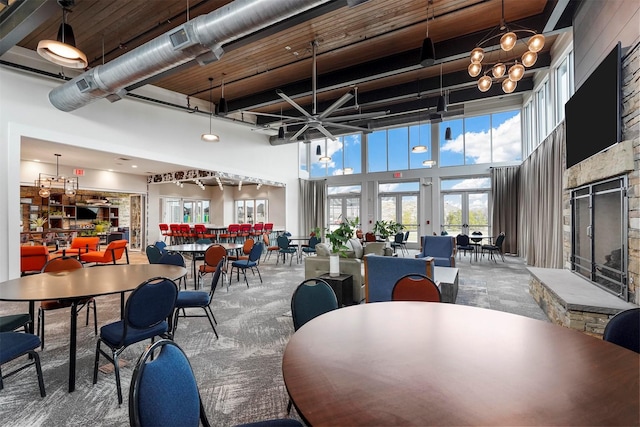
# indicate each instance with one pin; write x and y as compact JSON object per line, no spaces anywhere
{"x":110,"y":255}
{"x":81,"y":245}
{"x":415,"y":287}
{"x":32,"y":259}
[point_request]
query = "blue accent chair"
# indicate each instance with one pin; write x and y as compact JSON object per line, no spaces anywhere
{"x":145,"y":316}
{"x":624,"y":329}
{"x":441,"y":248}
{"x":311,"y":247}
{"x":16,"y":344}
{"x":382,"y":272}
{"x":164,"y":392}
{"x":285,"y":248}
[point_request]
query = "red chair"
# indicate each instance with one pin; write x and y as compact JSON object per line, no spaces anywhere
{"x":245,"y":231}
{"x":212,"y":257}
{"x":64,"y":263}
{"x":174,"y":233}
{"x":164,"y":231}
{"x":201,"y":232}
{"x":32,"y":259}
{"x":415,"y":287}
{"x":186,"y":234}
{"x":232,"y":231}
{"x":110,"y":255}
{"x":257,"y":229}
{"x":246,"y":249}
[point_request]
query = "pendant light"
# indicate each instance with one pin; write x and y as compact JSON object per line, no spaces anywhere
{"x":447,"y":134}
{"x":325,"y":158}
{"x":63,"y":51}
{"x":281,"y":130}
{"x":210,"y":137}
{"x":428,"y":51}
{"x":420,"y":148}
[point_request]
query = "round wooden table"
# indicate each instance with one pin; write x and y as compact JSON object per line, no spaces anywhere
{"x":82,"y":283}
{"x":416,"y":363}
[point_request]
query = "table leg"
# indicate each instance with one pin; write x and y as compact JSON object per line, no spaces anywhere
{"x":32,"y":313}
{"x":72,"y":346}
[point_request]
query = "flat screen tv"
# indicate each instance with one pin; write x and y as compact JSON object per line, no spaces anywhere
{"x":592,"y":115}
{"x":86,"y":213}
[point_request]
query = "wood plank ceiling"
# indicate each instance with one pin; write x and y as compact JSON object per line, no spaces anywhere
{"x":374,"y":46}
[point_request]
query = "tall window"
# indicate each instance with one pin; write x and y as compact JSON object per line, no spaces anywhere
{"x":391,"y":149}
{"x":482,"y":139}
{"x":345,"y":156}
{"x":344,"y":204}
{"x":465,"y":206}
{"x":251,"y":211}
{"x":564,"y":86}
{"x":400,"y":202}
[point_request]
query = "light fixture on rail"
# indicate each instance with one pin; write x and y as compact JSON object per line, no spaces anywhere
{"x":63,"y":51}
{"x":47,"y":183}
{"x":210,"y":137}
{"x":508,"y":38}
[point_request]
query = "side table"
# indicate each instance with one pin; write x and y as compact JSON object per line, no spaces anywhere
{"x":342,"y":285}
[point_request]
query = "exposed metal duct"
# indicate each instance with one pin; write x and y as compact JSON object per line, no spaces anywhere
{"x":201,"y":38}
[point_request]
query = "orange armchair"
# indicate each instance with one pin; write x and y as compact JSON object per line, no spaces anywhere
{"x":81,"y":245}
{"x":110,"y":255}
{"x":32,"y":259}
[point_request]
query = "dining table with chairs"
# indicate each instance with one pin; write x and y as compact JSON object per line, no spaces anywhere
{"x":79,"y":284}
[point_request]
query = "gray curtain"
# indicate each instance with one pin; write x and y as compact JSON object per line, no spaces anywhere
{"x":313,"y":205}
{"x":540,"y":201}
{"x":505,"y":183}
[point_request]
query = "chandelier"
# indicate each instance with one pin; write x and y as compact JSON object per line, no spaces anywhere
{"x":47,"y":182}
{"x":510,"y":72}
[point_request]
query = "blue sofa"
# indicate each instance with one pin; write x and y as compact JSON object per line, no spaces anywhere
{"x":441,"y":248}
{"x":382,"y":272}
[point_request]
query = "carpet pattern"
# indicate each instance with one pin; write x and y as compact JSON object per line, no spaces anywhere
{"x":239,"y":374}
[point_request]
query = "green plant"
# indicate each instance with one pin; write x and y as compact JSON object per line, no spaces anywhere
{"x":102,"y":226}
{"x":315,"y":231}
{"x":385,"y":229}
{"x":39,"y":221}
{"x":341,"y":235}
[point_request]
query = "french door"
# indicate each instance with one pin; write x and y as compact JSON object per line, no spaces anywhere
{"x":402,"y":208}
{"x":464,"y":212}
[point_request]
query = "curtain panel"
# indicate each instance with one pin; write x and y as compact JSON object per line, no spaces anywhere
{"x":313,"y":205}
{"x":540,"y":201}
{"x":505,"y":187}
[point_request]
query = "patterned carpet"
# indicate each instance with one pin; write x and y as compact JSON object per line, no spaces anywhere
{"x":239,"y":375}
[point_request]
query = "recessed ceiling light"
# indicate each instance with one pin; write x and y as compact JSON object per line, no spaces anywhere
{"x":36,"y":160}
{"x":109,"y":170}
{"x":134,"y":166}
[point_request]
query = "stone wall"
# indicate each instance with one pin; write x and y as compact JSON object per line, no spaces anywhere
{"x":623,"y":158}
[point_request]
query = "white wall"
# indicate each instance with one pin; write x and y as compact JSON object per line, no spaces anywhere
{"x":130,"y":128}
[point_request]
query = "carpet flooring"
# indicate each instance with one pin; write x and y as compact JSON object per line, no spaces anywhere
{"x":239,"y":374}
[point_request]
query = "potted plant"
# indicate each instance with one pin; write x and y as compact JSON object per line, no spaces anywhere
{"x":385,"y":229}
{"x":39,"y":222}
{"x":338,"y":239}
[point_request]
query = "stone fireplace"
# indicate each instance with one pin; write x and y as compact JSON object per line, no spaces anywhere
{"x":606,"y":213}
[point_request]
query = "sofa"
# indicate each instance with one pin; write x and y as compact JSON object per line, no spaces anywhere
{"x":381,"y":274}
{"x":441,"y":248}
{"x":315,"y":266}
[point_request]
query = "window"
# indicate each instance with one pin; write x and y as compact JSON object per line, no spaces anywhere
{"x":465,"y":205}
{"x":177,"y":211}
{"x":390,"y":149}
{"x":251,"y":211}
{"x":345,"y":153}
{"x":343,"y":203}
{"x":542,"y":115}
{"x":564,"y":86}
{"x":482,"y":139}
{"x":399,"y":202}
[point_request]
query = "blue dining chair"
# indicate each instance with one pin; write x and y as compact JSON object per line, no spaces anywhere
{"x":250,"y":263}
{"x":145,"y":316}
{"x":198,"y":299}
{"x":16,"y":344}
{"x":175,"y":258}
{"x":623,"y":329}
{"x":164,"y":392}
{"x":153,"y":254}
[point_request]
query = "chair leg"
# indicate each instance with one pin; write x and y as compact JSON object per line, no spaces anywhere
{"x":116,"y":369}
{"x":209,"y":313}
{"x":36,"y":361}
{"x":289,"y":405}
{"x":95,"y":365}
{"x":41,"y":325}
{"x":95,"y":317}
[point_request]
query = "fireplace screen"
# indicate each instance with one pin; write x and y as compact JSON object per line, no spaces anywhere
{"x":599,"y":234}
